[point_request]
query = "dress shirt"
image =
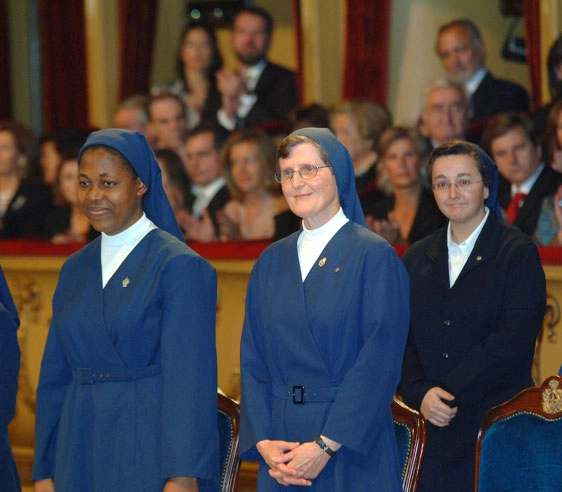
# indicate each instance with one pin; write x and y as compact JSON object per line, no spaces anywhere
{"x":311,"y":242}
{"x":247,"y":100}
{"x":472,"y":84}
{"x":204,"y":195}
{"x":459,"y":253}
{"x":114,"y":249}
{"x":526,"y":186}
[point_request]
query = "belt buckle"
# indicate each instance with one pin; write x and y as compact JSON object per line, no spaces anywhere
{"x":298,"y":395}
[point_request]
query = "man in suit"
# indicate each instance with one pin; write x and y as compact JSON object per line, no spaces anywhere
{"x":209,"y":193}
{"x":525,"y":181}
{"x":463,"y":54}
{"x":445,"y":114}
{"x":259,"y":92}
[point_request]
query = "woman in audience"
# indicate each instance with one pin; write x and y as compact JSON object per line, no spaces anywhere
{"x":127,"y":394}
{"x":358,"y":125}
{"x":67,"y":222}
{"x":410,"y":212}
{"x":198,"y":59}
{"x":24,"y":202}
{"x":324,"y":333}
{"x":249,"y":164}
{"x":52,"y":148}
{"x":477,"y":299}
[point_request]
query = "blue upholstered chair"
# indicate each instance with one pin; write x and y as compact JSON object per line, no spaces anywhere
{"x":229,"y":428}
{"x":409,"y":426}
{"x":519,"y":447}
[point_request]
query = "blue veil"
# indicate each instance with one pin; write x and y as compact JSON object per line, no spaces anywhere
{"x":137,"y":151}
{"x":343,"y":170}
{"x":493,"y":176}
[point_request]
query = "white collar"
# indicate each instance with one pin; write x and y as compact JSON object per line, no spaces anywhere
{"x":473,"y":82}
{"x":253,"y":73}
{"x":468,"y":244}
{"x":210,"y":189}
{"x":528,"y":184}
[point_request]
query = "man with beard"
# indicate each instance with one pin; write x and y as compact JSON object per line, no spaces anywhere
{"x":259,"y":93}
{"x":463,"y":53}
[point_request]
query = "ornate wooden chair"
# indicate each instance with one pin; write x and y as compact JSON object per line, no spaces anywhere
{"x":519,"y":445}
{"x":409,"y":426}
{"x":229,"y":428}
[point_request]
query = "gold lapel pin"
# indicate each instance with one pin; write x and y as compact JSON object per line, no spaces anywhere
{"x":478,"y":258}
{"x":337,"y":270}
{"x":322,"y":262}
{"x":125,"y":282}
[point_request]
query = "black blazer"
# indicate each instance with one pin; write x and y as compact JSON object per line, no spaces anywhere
{"x":476,"y":339}
{"x":277,"y":96}
{"x":546,"y":185}
{"x":494,"y":96}
{"x":25,"y":216}
{"x":221,"y":198}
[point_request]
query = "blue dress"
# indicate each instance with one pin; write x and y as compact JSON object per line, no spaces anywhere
{"x":127,"y":390}
{"x":340,"y":336}
{"x":9,"y":368}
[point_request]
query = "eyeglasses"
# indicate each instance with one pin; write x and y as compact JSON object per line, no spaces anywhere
{"x":443,"y":186}
{"x":308,"y":171}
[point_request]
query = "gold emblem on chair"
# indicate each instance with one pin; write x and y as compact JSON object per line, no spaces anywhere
{"x":552,"y":398}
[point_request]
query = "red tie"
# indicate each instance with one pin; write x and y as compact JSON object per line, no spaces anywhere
{"x":514,"y":206}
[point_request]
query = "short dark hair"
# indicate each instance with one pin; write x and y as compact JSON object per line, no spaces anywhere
{"x":457,"y":147}
{"x":553,"y":62}
{"x":219,"y":134}
{"x":504,"y":123}
{"x":264,"y":14}
{"x":161,"y":96}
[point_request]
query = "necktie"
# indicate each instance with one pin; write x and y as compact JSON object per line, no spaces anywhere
{"x":514,"y":205}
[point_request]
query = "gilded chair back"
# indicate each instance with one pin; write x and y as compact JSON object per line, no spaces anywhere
{"x":409,"y":426}
{"x":229,"y":429}
{"x":519,"y":446}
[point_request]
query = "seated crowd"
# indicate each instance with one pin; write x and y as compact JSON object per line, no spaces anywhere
{"x":214,"y":131}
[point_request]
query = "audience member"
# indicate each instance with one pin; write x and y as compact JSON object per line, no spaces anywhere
{"x":9,"y":368}
{"x":358,"y":125}
{"x":249,"y":166}
{"x":525,"y":180}
{"x":198,"y":59}
{"x":174,"y":180}
{"x":131,"y":114}
{"x":477,"y":301}
{"x":24,"y":202}
{"x":67,"y":222}
{"x":52,"y":147}
{"x":463,"y":54}
{"x":554,"y":68}
{"x":553,"y":137}
{"x":312,"y":116}
{"x":445,"y":114}
{"x":209,"y":192}
{"x":167,"y":121}
{"x":260,"y":92}
{"x":410,"y":212}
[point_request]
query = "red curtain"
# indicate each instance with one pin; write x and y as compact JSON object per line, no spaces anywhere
{"x":297,"y":26}
{"x":367,"y":50}
{"x":533,"y":43}
{"x":5,"y":105}
{"x":63,"y":64}
{"x":137,"y":24}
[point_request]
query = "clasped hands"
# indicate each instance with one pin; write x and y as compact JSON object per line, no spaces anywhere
{"x":292,"y":463}
{"x":435,"y":410}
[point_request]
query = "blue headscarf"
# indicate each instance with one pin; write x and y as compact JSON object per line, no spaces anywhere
{"x":493,"y":177}
{"x":343,"y":170}
{"x":137,"y":151}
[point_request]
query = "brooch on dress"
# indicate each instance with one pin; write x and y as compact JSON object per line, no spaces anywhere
{"x":125,"y":282}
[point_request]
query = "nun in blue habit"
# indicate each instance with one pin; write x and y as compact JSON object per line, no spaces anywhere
{"x":9,"y":368}
{"x":326,"y":322}
{"x":127,"y":391}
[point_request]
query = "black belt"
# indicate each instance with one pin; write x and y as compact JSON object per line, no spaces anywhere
{"x":305,"y":394}
{"x":91,"y":376}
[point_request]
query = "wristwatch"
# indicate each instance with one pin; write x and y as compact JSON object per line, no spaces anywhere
{"x":324,"y":447}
